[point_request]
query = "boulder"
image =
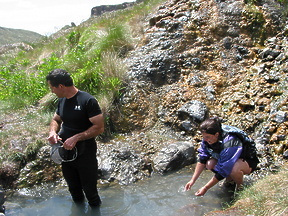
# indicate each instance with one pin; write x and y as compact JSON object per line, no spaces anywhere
{"x":174,"y":156}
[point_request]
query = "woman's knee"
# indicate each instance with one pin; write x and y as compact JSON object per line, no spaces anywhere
{"x":211,"y":163}
{"x":241,"y":166}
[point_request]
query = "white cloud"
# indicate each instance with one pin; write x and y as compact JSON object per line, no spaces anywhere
{"x":25,"y":5}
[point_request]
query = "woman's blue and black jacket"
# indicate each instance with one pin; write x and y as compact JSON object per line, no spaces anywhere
{"x":227,"y":151}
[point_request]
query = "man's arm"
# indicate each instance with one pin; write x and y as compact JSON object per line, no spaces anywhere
{"x":54,"y":129}
{"x":96,"y":129}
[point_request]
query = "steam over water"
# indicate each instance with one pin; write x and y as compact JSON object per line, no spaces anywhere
{"x":155,"y":196}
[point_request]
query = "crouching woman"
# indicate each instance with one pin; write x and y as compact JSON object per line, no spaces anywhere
{"x":220,"y":152}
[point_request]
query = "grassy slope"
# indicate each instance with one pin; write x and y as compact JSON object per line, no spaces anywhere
{"x":267,"y":197}
{"x":9,"y":36}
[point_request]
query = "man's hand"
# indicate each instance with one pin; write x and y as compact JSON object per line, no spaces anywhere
{"x":54,"y":128}
{"x":53,"y":138}
{"x":70,"y":143}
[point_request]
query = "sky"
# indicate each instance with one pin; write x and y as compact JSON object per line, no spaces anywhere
{"x":47,"y":17}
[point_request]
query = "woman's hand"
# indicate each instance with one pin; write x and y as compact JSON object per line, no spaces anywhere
{"x":201,"y":191}
{"x":189,"y":185}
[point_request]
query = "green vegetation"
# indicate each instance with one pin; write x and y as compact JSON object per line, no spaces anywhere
{"x":32,"y":149}
{"x":285,"y":2}
{"x":92,"y":52}
{"x":255,"y":22}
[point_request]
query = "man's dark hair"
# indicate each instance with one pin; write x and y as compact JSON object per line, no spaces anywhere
{"x":211,"y":126}
{"x":59,"y":76}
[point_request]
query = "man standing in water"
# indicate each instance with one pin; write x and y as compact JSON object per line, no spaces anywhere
{"x":80,"y":119}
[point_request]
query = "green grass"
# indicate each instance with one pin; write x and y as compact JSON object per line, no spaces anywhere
{"x":268,"y":196}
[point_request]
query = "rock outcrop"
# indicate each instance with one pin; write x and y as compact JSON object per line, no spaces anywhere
{"x":229,"y":57}
{"x":99,"y":10}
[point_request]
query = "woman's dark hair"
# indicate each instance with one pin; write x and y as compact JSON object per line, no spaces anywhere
{"x":59,"y":76}
{"x":211,"y":126}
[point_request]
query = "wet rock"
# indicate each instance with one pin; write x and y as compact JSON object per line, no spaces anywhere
{"x":174,"y":156}
{"x":227,"y":42}
{"x":242,"y":50}
{"x":280,"y":117}
{"x":285,"y":154}
{"x":261,"y":149}
{"x":42,"y":169}
{"x":210,"y":92}
{"x":196,"y":61}
{"x":193,"y":109}
{"x":124,"y":171}
{"x":269,"y":54}
{"x":9,"y":172}
{"x":2,"y":200}
{"x":121,"y":162}
{"x":203,"y":61}
{"x":279,"y":149}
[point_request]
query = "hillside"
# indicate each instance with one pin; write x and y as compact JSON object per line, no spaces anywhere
{"x":11,"y":36}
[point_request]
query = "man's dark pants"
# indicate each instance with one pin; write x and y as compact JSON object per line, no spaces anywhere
{"x":81,"y":175}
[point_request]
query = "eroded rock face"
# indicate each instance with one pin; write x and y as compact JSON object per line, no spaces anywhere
{"x":42,"y":169}
{"x":229,"y":56}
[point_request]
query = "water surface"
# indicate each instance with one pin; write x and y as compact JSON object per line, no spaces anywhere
{"x":155,"y":196}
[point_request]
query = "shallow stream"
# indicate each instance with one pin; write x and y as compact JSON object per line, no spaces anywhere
{"x":155,"y":196}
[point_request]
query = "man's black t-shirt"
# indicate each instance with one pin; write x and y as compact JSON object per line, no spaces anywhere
{"x":75,"y":113}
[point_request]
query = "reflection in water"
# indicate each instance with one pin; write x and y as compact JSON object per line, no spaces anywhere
{"x":157,"y":196}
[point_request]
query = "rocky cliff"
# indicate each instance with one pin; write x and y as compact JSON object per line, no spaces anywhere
{"x":200,"y":58}
{"x":230,"y":55}
{"x":99,"y":10}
